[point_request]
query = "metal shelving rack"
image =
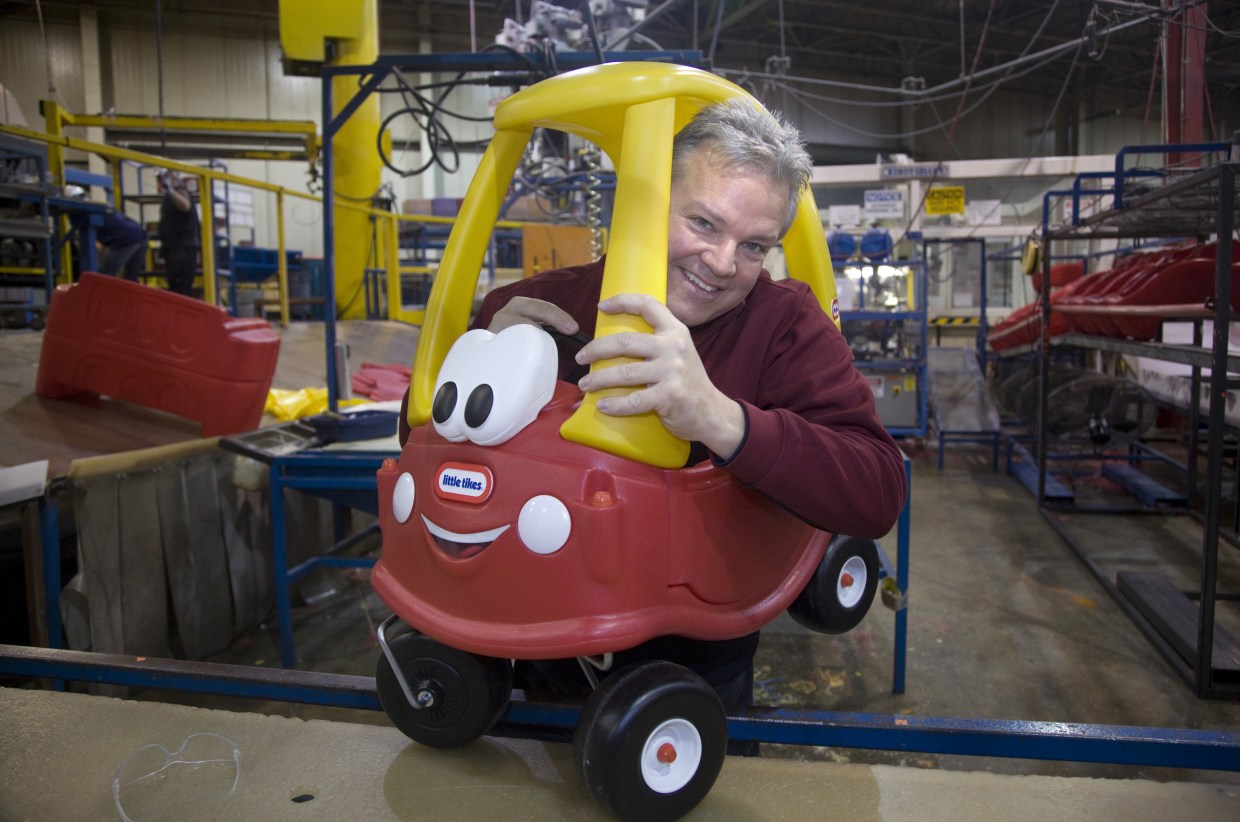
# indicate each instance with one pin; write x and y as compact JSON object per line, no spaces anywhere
{"x":1180,"y":626}
{"x":36,"y":227}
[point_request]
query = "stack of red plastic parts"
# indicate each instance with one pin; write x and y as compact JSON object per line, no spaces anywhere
{"x":1022,"y":326}
{"x":1130,"y":300}
{"x":381,"y":382}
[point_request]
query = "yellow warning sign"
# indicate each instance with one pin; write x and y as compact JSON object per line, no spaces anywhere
{"x":945,"y":200}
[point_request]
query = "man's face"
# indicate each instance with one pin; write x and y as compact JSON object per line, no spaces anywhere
{"x":723,"y":222}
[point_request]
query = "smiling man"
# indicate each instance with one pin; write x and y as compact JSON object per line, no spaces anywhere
{"x":748,"y":369}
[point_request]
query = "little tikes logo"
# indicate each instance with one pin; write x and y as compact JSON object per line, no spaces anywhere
{"x":464,"y":483}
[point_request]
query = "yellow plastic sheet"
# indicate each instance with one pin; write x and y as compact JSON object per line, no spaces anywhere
{"x":287,"y":405}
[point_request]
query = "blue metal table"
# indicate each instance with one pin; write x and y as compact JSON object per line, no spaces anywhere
{"x":347,"y":479}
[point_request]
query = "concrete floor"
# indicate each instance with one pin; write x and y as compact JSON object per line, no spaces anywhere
{"x":1004,"y":621}
{"x":60,"y":755}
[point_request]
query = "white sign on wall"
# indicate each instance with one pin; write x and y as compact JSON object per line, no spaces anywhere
{"x":983,"y":212}
{"x":916,"y":171}
{"x":844,"y":216}
{"x":884,"y":203}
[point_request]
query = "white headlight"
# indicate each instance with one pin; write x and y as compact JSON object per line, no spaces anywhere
{"x":544,"y":524}
{"x":402,"y":497}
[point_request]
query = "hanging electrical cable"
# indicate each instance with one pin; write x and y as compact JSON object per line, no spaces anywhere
{"x":426,"y":113}
{"x":592,"y":29}
{"x":943,"y":90}
{"x":547,"y":174}
{"x":988,"y":88}
{"x":977,"y":56}
{"x":425,"y":105}
{"x":783,"y":43}
{"x":47,"y":50}
{"x":714,"y":38}
{"x":159,"y":72}
{"x":1149,"y":97}
{"x":1030,"y":258}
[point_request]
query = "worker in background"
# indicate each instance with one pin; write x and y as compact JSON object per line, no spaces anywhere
{"x":748,"y":369}
{"x":124,"y":246}
{"x":179,"y":233}
{"x":123,"y":240}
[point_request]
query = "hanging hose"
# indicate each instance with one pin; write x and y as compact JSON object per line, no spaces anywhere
{"x":47,"y":52}
{"x":594,"y":210}
{"x":159,"y":71}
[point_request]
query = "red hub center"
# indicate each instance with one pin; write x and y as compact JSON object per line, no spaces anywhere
{"x":667,"y":753}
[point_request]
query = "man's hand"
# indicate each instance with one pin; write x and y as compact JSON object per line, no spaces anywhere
{"x":668,"y":374}
{"x":532,"y":312}
{"x":178,"y":191}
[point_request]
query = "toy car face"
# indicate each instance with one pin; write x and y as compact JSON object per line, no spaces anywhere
{"x":504,"y":539}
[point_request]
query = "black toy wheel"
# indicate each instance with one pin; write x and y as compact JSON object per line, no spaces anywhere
{"x":651,"y":741}
{"x":460,"y":694}
{"x":838,"y":595}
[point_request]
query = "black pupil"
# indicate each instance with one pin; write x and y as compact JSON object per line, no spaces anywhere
{"x":478,"y":406}
{"x":445,"y":402}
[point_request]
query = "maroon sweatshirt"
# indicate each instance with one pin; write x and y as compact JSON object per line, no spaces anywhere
{"x":813,"y":442}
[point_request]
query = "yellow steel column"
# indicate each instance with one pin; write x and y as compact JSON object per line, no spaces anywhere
{"x":357,"y":167}
{"x":54,"y":117}
{"x":206,"y":199}
{"x":391,"y":247}
{"x":282,"y":263}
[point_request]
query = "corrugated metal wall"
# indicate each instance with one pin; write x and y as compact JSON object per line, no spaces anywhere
{"x":24,"y":62}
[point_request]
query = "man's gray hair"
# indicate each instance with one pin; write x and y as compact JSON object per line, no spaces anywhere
{"x":747,"y":136}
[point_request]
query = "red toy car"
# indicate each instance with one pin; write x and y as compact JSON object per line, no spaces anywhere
{"x":541,"y":548}
{"x":503,"y":539}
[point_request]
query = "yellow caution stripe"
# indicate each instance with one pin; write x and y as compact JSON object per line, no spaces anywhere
{"x":963,"y":321}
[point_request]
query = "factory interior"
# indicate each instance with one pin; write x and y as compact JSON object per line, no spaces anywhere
{"x":241,"y":244}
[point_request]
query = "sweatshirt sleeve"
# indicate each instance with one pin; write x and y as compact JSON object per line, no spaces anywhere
{"x":814,"y":442}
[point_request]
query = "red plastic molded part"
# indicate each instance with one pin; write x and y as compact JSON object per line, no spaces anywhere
{"x":1101,"y":304}
{"x":106,"y":335}
{"x":1172,"y":279}
{"x":650,"y":552}
{"x":1186,"y":282}
{"x":1061,"y":274}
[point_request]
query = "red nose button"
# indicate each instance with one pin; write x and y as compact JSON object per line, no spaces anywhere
{"x":667,"y":753}
{"x":846,"y":580}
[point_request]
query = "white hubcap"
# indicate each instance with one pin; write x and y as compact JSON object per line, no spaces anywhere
{"x":851,"y":584}
{"x":671,"y":756}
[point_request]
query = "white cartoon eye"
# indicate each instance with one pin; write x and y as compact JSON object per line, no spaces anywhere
{"x":493,"y":385}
